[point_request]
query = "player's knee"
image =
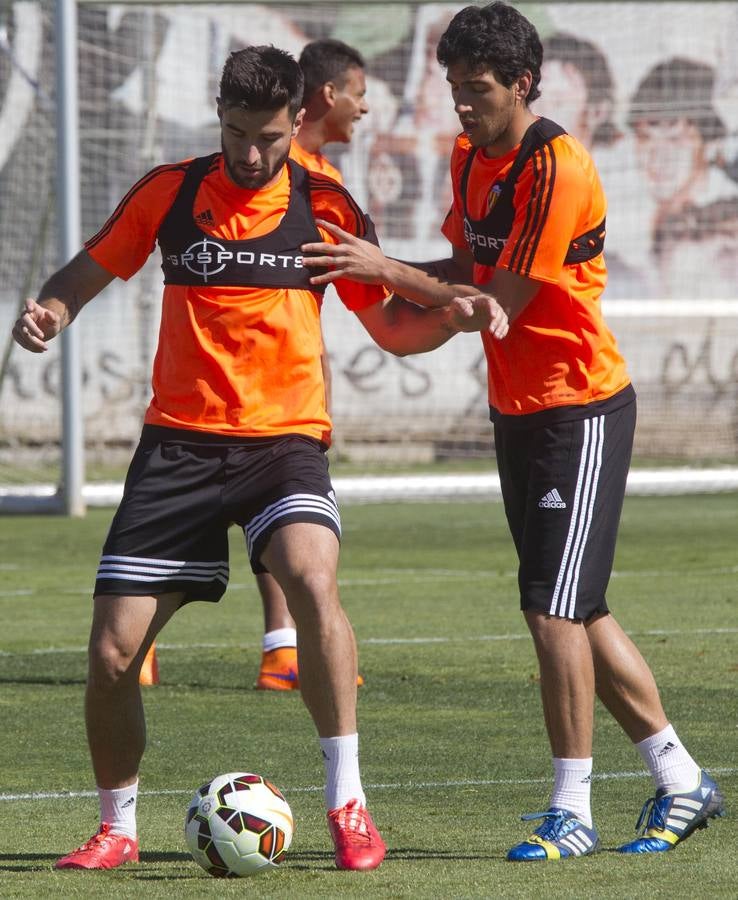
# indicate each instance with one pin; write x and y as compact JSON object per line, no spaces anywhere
{"x":313,"y":593}
{"x":110,"y":666}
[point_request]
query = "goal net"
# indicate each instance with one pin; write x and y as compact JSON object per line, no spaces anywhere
{"x":656,"y":105}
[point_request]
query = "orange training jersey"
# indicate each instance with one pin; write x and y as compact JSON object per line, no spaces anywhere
{"x":559,"y":351}
{"x":314,"y":162}
{"x":239,"y":361}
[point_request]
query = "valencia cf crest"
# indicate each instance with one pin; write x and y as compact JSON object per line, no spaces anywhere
{"x":493,"y":196}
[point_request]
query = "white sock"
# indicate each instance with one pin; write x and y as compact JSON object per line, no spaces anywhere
{"x":572,"y":787}
{"x":118,"y":809}
{"x":342,"y":779}
{"x":280,"y":637}
{"x":671,"y":767}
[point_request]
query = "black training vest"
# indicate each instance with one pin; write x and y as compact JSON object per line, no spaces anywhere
{"x":486,"y":237}
{"x":274,"y":260}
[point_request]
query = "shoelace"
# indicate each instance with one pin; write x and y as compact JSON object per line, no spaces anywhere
{"x":551,"y":828}
{"x":652,"y":815}
{"x":97,"y":840}
{"x":353,"y":824}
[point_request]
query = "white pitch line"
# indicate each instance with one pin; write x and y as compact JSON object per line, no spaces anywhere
{"x":475,"y":638}
{"x":423,"y":576}
{"x":312,"y":789}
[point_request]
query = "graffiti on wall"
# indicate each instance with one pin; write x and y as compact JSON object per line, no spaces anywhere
{"x":656,"y":106}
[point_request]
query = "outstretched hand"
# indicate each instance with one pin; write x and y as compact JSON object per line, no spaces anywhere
{"x":35,"y":326}
{"x":479,"y":312}
{"x":352,"y":258}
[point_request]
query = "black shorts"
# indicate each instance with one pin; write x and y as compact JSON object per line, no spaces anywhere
{"x":183,"y":491}
{"x":563,"y":484}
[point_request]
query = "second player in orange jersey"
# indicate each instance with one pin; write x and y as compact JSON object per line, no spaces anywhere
{"x":527,"y":224}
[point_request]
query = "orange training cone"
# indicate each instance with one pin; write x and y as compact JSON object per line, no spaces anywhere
{"x":149,"y":673}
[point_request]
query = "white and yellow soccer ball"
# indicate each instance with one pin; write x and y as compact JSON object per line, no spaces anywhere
{"x":238,"y":824}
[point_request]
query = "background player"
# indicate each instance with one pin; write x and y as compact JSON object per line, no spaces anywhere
{"x":236,"y":430}
{"x":334,"y":100}
{"x":527,"y":225}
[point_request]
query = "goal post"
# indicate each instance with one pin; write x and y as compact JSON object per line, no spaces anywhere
{"x":69,"y":237}
{"x":146,"y":76}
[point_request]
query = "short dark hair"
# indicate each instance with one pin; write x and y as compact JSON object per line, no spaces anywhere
{"x":262,"y":78}
{"x":327,"y":60}
{"x":495,"y":38}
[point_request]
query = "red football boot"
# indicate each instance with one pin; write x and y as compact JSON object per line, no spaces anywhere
{"x":103,"y":851}
{"x":358,"y":843}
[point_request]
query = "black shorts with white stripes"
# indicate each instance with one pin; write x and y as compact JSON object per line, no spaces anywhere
{"x":563,"y":482}
{"x":183,"y":491}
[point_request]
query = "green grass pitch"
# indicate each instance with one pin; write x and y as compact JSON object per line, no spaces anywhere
{"x":452,"y":742}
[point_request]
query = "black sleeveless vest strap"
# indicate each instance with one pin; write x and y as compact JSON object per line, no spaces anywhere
{"x":179,"y":222}
{"x":486,"y":237}
{"x":192,"y":257}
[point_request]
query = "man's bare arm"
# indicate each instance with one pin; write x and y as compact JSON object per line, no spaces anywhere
{"x":513,"y":292}
{"x":456,"y":269}
{"x":401,"y":327}
{"x":433,"y":284}
{"x":59,"y":302}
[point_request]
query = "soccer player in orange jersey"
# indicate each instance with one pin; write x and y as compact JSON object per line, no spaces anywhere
{"x":527,"y":226}
{"x":236,"y":430}
{"x":334,"y":100}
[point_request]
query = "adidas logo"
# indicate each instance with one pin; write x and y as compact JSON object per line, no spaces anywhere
{"x":205,"y":218}
{"x":667,"y":748}
{"x":552,"y":500}
{"x":129,"y":802}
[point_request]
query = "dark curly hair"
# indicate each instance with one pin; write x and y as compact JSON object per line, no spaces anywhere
{"x":496,"y":38}
{"x":262,"y":78}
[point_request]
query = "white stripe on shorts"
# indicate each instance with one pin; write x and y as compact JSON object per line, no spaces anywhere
{"x":563,"y":602}
{"x":140,"y":568}
{"x":315,"y":503}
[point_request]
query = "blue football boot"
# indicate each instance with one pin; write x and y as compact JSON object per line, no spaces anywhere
{"x":667,"y":819}
{"x":560,"y":836}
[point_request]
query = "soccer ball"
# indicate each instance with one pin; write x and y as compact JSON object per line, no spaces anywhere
{"x":238,"y":824}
